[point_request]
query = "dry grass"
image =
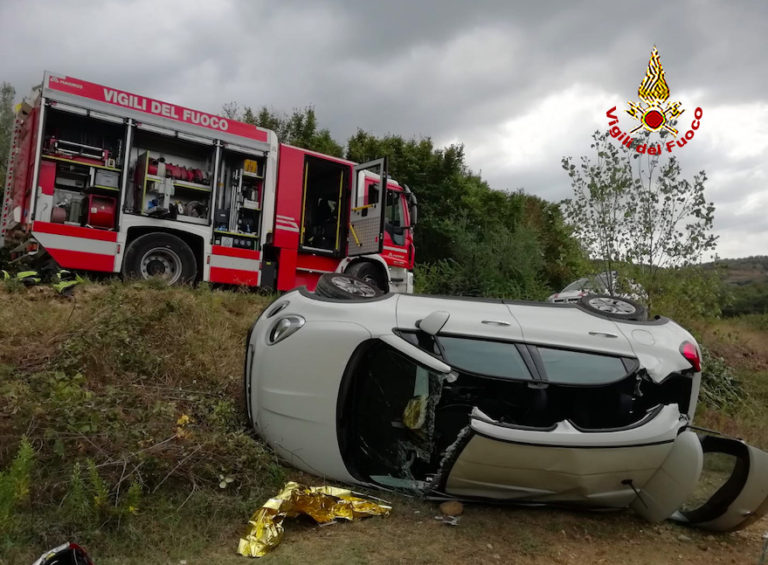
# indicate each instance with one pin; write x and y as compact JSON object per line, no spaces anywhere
{"x":743,"y":344}
{"x":107,"y":377}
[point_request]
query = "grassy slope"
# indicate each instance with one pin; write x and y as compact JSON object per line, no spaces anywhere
{"x":145,"y":383}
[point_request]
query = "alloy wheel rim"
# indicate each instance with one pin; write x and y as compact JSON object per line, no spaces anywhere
{"x":358,"y":288}
{"x":612,"y":305}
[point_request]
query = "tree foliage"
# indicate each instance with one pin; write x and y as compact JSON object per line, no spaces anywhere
{"x":298,"y":128}
{"x":7,"y":94}
{"x":470,"y":240}
{"x":632,"y":209}
{"x":473,"y":240}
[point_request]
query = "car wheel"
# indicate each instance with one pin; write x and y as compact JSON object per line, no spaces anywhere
{"x":160,"y":255}
{"x":368,"y":272}
{"x":345,"y":287}
{"x":613,"y":307}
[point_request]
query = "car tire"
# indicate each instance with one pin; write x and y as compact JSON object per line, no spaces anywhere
{"x":345,"y":287}
{"x":368,"y":272}
{"x":161,"y":255}
{"x":614,"y":307}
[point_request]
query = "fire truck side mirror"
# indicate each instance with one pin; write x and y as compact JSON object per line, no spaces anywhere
{"x":412,"y":213}
{"x":412,"y":208}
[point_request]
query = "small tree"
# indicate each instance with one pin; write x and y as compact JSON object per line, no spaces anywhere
{"x":7,"y":93}
{"x":632,"y":209}
{"x":299,"y":128}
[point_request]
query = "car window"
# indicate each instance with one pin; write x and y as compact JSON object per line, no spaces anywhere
{"x":576,"y":367}
{"x":491,"y":358}
{"x":389,"y":403}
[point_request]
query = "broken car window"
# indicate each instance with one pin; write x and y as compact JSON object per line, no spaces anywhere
{"x":389,"y":416}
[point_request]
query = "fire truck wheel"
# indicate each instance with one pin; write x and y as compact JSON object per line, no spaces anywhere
{"x":368,"y":272}
{"x":345,"y":287}
{"x":160,"y":255}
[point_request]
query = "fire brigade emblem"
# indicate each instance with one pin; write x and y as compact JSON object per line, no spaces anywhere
{"x":653,"y":111}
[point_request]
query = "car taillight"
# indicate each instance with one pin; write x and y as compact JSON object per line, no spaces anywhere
{"x":691,"y":352}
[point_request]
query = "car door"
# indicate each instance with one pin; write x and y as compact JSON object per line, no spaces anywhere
{"x":585,"y":440}
{"x":561,"y":464}
{"x":743,"y":498}
{"x":480,"y":318}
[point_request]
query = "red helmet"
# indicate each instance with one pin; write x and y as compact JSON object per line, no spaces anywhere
{"x":66,"y":554}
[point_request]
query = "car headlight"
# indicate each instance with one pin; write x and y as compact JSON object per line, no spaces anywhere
{"x":284,"y":327}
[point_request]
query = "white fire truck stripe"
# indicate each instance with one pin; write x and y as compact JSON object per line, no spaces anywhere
{"x":234,"y":263}
{"x":286,"y":223}
{"x":396,"y":249}
{"x":287,"y":219}
{"x":53,"y":241}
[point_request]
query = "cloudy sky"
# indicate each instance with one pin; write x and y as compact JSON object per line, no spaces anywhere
{"x":519,"y":84}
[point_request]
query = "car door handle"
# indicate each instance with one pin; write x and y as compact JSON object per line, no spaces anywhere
{"x":603,"y":334}
{"x":495,"y":323}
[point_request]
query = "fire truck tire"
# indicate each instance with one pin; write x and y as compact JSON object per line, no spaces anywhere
{"x":345,"y":287}
{"x":368,"y":272}
{"x":161,"y":255}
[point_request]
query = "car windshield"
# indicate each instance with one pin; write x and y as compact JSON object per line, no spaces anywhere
{"x":580,"y":284}
{"x":605,"y":280}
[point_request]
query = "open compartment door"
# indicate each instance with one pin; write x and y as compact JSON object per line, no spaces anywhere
{"x":366,"y":218}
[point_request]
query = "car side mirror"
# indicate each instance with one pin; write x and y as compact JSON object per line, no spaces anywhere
{"x":434,"y":322}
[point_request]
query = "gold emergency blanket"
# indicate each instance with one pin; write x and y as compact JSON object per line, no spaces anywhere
{"x":323,"y":504}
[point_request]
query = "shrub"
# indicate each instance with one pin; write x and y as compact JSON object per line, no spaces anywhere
{"x":15,"y":485}
{"x":719,"y":387}
{"x":496,"y":261}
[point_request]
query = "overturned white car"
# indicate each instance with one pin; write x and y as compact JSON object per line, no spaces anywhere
{"x":491,"y":399}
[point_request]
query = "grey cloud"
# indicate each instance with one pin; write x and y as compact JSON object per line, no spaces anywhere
{"x":449,"y":69}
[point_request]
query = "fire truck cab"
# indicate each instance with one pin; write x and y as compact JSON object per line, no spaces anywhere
{"x":104,"y":180}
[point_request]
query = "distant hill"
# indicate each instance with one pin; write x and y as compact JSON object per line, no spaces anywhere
{"x":747,"y":281}
{"x":745,"y":271}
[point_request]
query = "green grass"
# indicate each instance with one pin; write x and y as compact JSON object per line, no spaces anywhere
{"x":130,"y":396}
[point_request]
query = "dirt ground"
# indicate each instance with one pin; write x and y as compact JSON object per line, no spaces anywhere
{"x":411,"y":534}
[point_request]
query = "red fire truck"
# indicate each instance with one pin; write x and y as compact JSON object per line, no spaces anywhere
{"x":100,"y":179}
